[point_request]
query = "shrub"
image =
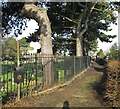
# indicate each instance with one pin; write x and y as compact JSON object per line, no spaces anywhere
{"x":112,"y":92}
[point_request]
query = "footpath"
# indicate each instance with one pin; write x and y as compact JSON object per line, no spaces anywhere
{"x":81,"y":92}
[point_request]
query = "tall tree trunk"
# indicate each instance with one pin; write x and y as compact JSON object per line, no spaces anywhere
{"x":40,"y":15}
{"x":79,"y":47}
{"x":84,"y":16}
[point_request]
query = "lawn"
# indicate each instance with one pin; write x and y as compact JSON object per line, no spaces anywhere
{"x":30,"y":74}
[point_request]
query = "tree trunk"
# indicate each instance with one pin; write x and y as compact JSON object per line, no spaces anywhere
{"x":78,"y":47}
{"x":40,"y":15}
{"x":87,"y":11}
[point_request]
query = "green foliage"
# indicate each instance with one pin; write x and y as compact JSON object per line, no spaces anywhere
{"x":9,"y":47}
{"x":64,"y":44}
{"x":114,"y":52}
{"x":4,"y":93}
{"x":12,"y":20}
{"x":24,"y":46}
{"x":100,"y":54}
{"x":66,"y":14}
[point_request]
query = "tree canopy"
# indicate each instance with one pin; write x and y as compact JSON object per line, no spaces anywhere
{"x":100,"y":54}
{"x":65,"y":18}
{"x":9,"y":47}
{"x":70,"y":14}
{"x":114,"y":52}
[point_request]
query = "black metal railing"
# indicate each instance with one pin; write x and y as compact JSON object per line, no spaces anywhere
{"x":62,"y":68}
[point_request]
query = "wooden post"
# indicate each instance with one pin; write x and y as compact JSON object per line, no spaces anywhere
{"x":18,"y":63}
{"x":18,"y":98}
{"x":118,"y":28}
{"x":74,"y":68}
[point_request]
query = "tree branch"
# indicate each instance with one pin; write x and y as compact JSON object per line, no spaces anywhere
{"x":80,"y":4}
{"x":89,"y":11}
{"x":62,"y":27}
{"x":67,"y":18}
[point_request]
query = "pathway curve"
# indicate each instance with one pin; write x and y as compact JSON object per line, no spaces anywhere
{"x":80,"y":93}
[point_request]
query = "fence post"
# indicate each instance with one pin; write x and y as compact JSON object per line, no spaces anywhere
{"x":74,"y":64}
{"x":18,"y":63}
{"x":80,"y":61}
{"x":65,"y":69}
{"x":52,"y":68}
{"x":36,"y":71}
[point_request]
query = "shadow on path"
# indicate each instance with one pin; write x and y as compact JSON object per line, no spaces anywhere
{"x":78,"y":93}
{"x":66,"y":105}
{"x":99,"y":86}
{"x":99,"y":69}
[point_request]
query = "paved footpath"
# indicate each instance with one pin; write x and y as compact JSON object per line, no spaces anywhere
{"x":80,"y":93}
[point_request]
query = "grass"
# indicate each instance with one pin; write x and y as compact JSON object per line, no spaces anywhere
{"x":30,"y":71}
{"x":61,"y":76}
{"x":10,"y":86}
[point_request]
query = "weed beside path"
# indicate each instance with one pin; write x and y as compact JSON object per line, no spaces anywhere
{"x":80,"y":93}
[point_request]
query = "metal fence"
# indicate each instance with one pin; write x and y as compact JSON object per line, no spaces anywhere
{"x":62,"y":68}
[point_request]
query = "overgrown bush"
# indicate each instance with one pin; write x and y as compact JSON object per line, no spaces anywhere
{"x":112,"y":89}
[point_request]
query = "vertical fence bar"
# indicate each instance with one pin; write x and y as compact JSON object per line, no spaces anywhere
{"x":74,"y":64}
{"x":52,"y":71}
{"x":83,"y":63}
{"x":26,"y":84}
{"x":65,"y":78}
{"x":3,"y":79}
{"x":21,"y":84}
{"x":80,"y":66}
{"x":11,"y":72}
{"x":67,"y":66}
{"x":20,"y":89}
{"x":7,"y":78}
{"x":36,"y":73}
{"x":86,"y":61}
{"x":26,"y":75}
{"x":14,"y":90}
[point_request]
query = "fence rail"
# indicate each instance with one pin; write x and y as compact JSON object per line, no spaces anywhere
{"x":62,"y":68}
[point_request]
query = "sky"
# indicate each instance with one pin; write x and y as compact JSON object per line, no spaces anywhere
{"x":32,"y":25}
{"x":106,"y":46}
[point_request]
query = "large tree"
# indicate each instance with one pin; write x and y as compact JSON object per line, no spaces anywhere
{"x":14,"y":18}
{"x":9,"y":47}
{"x":40,"y":15}
{"x":81,"y":21}
{"x":114,"y":52}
